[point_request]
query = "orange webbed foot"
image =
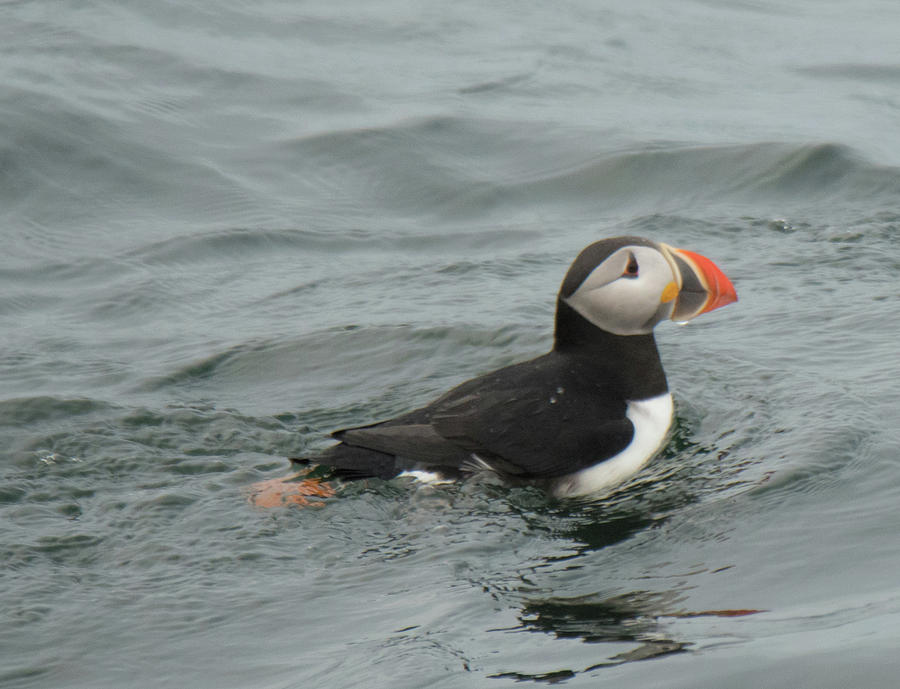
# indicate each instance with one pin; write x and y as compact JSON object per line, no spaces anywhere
{"x":281,"y":492}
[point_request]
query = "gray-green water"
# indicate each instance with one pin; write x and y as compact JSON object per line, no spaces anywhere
{"x":229,"y":228}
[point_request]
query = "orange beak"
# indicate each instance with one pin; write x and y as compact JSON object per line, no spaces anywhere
{"x":703,"y":286}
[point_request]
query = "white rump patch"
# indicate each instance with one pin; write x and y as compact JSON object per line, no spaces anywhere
{"x":425,"y":476}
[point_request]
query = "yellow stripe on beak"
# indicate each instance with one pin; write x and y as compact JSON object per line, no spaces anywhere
{"x":669,"y":293}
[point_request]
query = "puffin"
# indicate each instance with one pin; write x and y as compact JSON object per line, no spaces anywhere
{"x":575,"y":421}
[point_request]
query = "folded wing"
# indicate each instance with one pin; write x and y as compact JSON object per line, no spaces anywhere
{"x":540,"y":419}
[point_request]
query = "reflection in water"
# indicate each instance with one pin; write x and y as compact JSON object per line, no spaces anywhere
{"x":627,"y":627}
{"x":640,"y":618}
{"x":632,"y":617}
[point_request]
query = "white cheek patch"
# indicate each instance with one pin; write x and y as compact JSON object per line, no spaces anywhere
{"x":621,"y":307}
{"x":625,"y":305}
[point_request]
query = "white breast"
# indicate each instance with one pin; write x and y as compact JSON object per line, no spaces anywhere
{"x":651,"y":419}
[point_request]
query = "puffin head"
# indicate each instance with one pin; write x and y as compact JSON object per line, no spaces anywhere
{"x":626,"y":285}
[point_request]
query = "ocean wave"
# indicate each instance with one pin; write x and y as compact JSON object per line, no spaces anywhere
{"x":454,"y":168}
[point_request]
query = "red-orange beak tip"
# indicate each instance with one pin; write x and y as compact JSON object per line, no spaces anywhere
{"x":721,"y":291}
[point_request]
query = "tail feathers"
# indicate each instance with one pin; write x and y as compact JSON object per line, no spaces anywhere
{"x":351,"y":463}
{"x":309,"y":486}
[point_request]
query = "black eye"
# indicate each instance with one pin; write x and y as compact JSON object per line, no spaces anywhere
{"x":631,"y":270}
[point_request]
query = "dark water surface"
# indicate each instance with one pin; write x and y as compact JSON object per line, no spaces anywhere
{"x":229,"y":228}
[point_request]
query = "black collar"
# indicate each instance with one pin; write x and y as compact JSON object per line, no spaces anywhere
{"x":632,"y":360}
